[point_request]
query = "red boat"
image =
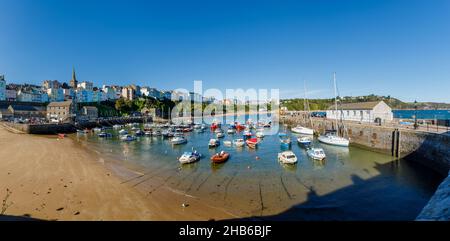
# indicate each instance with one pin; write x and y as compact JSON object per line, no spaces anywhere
{"x":214,"y":127}
{"x":220,"y":157}
{"x":240,"y":127}
{"x":252,"y":142}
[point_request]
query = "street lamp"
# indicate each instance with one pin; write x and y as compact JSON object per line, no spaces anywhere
{"x":415,"y":114}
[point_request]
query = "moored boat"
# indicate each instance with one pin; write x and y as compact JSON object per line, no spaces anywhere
{"x":304,"y":140}
{"x":252,"y":142}
{"x":123,"y":132}
{"x":220,"y":157}
{"x":189,"y":157}
{"x":331,"y":138}
{"x":213,"y":143}
{"x":316,"y":153}
{"x":287,"y":157}
{"x":178,"y":140}
{"x":128,"y":138}
{"x":239,"y":142}
{"x":302,"y":130}
{"x":227,"y":143}
{"x":220,"y":135}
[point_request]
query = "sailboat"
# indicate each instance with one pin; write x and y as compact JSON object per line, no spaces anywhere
{"x":333,"y":138}
{"x":300,"y":129}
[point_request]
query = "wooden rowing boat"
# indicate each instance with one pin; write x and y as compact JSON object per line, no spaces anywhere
{"x":220,"y":157}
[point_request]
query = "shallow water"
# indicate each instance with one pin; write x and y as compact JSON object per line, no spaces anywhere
{"x":351,"y":184}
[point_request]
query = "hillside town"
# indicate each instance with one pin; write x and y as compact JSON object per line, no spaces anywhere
{"x":55,"y":101}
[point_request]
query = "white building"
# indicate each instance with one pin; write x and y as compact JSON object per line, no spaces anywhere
{"x":2,"y":87}
{"x":376,"y":111}
{"x":55,"y":94}
{"x":109,"y":92}
{"x":86,"y":85}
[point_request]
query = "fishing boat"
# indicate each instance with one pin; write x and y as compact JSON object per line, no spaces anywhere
{"x":239,"y":142}
{"x":304,"y":140}
{"x":128,"y":138}
{"x":252,"y":142}
{"x":220,"y":157}
{"x":213,"y":143}
{"x":104,"y":135}
{"x":220,"y":135}
{"x":302,"y":130}
{"x":287,"y":157}
{"x":284,"y":139}
{"x":178,"y":140}
{"x":189,"y":157}
{"x":227,"y":143}
{"x":123,"y":132}
{"x":316,"y":153}
{"x":332,"y":137}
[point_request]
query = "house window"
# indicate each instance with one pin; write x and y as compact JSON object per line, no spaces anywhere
{"x":348,"y":113}
{"x":368,"y":112}
{"x":354,"y":112}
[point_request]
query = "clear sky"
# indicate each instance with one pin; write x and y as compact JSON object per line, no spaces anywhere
{"x":397,"y":48}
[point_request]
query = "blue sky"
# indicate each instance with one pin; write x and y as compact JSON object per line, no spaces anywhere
{"x":397,"y":48}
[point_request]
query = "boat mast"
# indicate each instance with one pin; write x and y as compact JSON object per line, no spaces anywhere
{"x":306,"y":103}
{"x":335,"y":101}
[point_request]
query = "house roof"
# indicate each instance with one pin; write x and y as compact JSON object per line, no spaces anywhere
{"x":60,"y":104}
{"x":357,"y":106}
{"x":90,"y":107}
{"x":26,"y":108}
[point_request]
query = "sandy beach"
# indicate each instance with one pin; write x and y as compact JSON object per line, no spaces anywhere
{"x":56,"y":179}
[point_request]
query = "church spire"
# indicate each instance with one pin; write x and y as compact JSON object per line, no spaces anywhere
{"x":73,"y":74}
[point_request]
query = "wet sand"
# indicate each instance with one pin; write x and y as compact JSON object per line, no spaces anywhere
{"x":54,"y":179}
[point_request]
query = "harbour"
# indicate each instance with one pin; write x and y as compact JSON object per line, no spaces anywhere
{"x":352,"y":183}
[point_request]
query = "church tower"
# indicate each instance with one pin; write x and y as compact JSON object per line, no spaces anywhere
{"x":73,"y":81}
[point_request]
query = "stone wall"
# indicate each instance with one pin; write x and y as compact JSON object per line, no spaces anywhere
{"x":438,"y":208}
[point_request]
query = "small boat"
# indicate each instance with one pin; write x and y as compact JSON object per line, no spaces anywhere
{"x":128,"y":138}
{"x":304,"y":140}
{"x":220,"y":157}
{"x":268,"y":125}
{"x":287,"y":157}
{"x":333,"y":139}
{"x":97,"y":129}
{"x":239,"y":142}
{"x":190,"y":157}
{"x":227,"y":143}
{"x":135,"y":129}
{"x":218,"y":130}
{"x":177,"y":140}
{"x":302,"y":130}
{"x":316,"y":153}
{"x":80,"y":131}
{"x":284,"y":139}
{"x":123,"y":132}
{"x":220,"y":135}
{"x":104,"y":135}
{"x":252,"y":142}
{"x":247,"y":134}
{"x":116,"y":127}
{"x":197,"y":126}
{"x":167,"y":134}
{"x":148,"y":133}
{"x":231,"y":131}
{"x":139,"y":133}
{"x":260,"y":134}
{"x":156,"y":133}
{"x":213,"y":143}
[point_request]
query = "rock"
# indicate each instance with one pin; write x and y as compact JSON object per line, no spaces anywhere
{"x":437,"y":208}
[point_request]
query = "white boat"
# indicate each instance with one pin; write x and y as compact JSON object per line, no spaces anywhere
{"x":116,"y":127}
{"x":227,"y":143}
{"x":316,"y":153}
{"x":304,"y":140}
{"x":333,"y":139}
{"x":123,"y":132}
{"x":231,"y":131}
{"x":220,"y":135}
{"x":97,"y":129}
{"x":302,"y":130}
{"x":218,"y":130}
{"x":189,"y":157}
{"x":197,"y":126}
{"x":128,"y":138}
{"x":259,"y":134}
{"x":213,"y":143}
{"x":287,"y":157}
{"x":177,"y":140}
{"x":104,"y":134}
{"x":239,"y":142}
